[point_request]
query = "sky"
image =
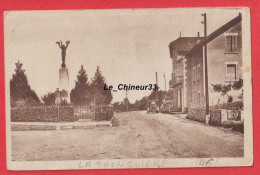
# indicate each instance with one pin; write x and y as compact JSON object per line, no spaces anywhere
{"x":128,"y":45}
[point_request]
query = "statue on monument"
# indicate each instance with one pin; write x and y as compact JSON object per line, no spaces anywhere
{"x":63,"y":51}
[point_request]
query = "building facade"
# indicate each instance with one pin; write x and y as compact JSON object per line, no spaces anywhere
{"x":178,"y":48}
{"x":224,"y":55}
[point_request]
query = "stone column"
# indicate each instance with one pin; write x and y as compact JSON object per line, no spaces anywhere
{"x":64,"y":84}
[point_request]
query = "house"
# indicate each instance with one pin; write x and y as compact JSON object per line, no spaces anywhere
{"x":178,"y":48}
{"x":224,"y":56}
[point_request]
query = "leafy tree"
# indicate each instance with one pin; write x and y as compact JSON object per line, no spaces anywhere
{"x":153,"y":95}
{"x":98,"y":94}
{"x":124,"y":105}
{"x":119,"y":106}
{"x":238,"y":84}
{"x":80,"y":94}
{"x":49,"y":99}
{"x":141,"y":104}
{"x":222,"y":88}
{"x":116,"y":105}
{"x":225,"y":88}
{"x":20,"y":89}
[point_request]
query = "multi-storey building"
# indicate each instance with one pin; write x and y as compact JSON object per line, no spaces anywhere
{"x":224,"y":55}
{"x":178,"y":48}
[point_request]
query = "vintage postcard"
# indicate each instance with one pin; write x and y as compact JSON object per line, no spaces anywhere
{"x":128,"y":88}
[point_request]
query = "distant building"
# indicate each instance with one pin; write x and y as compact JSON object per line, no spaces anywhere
{"x":224,"y":55}
{"x":178,"y":48}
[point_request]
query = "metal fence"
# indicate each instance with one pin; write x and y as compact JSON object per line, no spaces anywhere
{"x":104,"y":112}
{"x":84,"y":112}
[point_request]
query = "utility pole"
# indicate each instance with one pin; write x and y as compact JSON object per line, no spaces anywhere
{"x":164,"y":85}
{"x":156,"y":85}
{"x":126,"y":100}
{"x":206,"y":63}
{"x":157,"y":102}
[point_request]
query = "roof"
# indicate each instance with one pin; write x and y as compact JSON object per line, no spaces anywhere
{"x":184,"y":43}
{"x":216,"y":33}
{"x":184,"y":40}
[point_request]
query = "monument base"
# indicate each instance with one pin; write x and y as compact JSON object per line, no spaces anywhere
{"x":64,"y":84}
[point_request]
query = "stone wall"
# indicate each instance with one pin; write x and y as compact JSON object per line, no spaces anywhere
{"x":197,"y":114}
{"x":215,"y":117}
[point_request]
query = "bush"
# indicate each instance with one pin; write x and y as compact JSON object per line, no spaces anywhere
{"x":43,"y":114}
{"x":235,"y":125}
{"x":237,"y":105}
{"x":115,"y":121}
{"x":215,"y":118}
{"x":239,"y":127}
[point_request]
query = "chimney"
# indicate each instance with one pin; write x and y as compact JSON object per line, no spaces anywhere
{"x":180,"y":34}
{"x":198,"y":34}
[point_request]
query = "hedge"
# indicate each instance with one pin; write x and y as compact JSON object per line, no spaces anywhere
{"x":57,"y":114}
{"x":230,"y":106}
{"x":215,"y":117}
{"x":197,"y":114}
{"x":43,"y":114}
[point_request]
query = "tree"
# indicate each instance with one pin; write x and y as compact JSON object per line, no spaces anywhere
{"x":20,"y":89}
{"x":116,"y":105}
{"x":142,"y":104}
{"x":80,"y":94}
{"x":49,"y":99}
{"x":238,"y":84}
{"x":153,"y":95}
{"x":98,"y":94}
{"x":225,"y":88}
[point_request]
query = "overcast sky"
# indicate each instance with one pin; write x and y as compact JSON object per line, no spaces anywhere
{"x":128,"y":45}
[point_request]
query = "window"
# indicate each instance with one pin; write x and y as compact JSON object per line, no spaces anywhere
{"x":173,"y":53}
{"x":198,"y":71}
{"x":198,"y":98}
{"x":231,"y":71}
{"x":231,"y":42}
{"x":194,"y":75}
{"x":194,"y":72}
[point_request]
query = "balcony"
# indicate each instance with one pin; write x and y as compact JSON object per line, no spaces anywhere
{"x":176,"y":81}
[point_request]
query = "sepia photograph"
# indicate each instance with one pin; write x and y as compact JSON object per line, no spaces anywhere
{"x":128,"y":88}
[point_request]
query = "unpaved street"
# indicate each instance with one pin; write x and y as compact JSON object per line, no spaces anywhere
{"x":139,"y":135}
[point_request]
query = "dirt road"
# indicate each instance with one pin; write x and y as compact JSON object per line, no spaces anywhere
{"x":139,"y":135}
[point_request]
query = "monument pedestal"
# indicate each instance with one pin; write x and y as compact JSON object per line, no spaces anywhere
{"x":64,"y":84}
